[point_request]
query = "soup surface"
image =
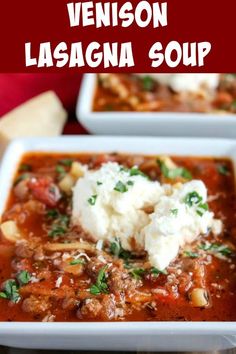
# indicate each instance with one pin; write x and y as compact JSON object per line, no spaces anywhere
{"x":125,"y":92}
{"x":51,"y":270}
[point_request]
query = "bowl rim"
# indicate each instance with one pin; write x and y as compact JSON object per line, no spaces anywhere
{"x":85,"y":112}
{"x":11,"y":159}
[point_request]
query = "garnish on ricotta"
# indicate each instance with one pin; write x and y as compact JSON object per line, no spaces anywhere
{"x":121,"y":209}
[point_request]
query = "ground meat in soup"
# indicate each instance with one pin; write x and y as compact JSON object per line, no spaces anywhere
{"x":52,"y":271}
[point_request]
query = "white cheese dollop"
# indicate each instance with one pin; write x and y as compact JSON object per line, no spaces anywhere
{"x":114,"y":214}
{"x":179,"y":214}
{"x":175,"y":223}
{"x":186,"y":82}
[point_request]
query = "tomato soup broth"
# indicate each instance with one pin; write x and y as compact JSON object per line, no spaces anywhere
{"x":51,"y":270}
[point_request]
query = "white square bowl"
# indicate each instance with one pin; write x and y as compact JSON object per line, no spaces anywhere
{"x":142,"y":336}
{"x":150,"y":123}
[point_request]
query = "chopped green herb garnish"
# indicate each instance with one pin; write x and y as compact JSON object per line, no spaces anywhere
{"x":174,"y":211}
{"x":23,"y":277}
{"x":3,"y":295}
{"x":173,"y":173}
{"x":60,"y":170}
{"x":156,"y":272}
{"x":56,"y":230}
{"x":99,"y":183}
{"x":25,"y":167}
{"x":205,"y":246}
{"x":92,"y":199}
{"x":64,"y":220}
{"x":127,"y":265}
{"x":11,"y":290}
{"x":148,"y":83}
{"x":216,"y":248}
{"x":117,"y":250}
{"x":60,"y":226}
{"x":77,"y":261}
{"x":192,"y":198}
{"x":101,"y":285}
{"x":52,"y":214}
{"x":66,"y":162}
{"x":191,"y":254}
{"x":202,"y":208}
{"x":94,"y":290}
{"x":124,"y":169}
{"x":120,"y":187}
{"x":223,"y":170}
{"x":137,"y":273}
{"x":135,"y":171}
{"x":130,"y":183}
{"x":21,"y":178}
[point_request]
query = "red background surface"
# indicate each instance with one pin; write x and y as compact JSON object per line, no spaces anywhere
{"x":189,"y":21}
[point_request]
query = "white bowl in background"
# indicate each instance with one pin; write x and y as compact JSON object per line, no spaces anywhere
{"x":140,"y":336}
{"x":150,"y":123}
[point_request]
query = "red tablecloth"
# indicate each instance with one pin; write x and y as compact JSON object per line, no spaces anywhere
{"x":18,"y":88}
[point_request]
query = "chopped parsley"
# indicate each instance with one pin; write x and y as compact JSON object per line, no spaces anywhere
{"x":23,"y":277}
{"x":92,"y":200}
{"x":11,"y":291}
{"x":156,"y":272}
{"x":60,"y":170}
{"x":60,"y":226}
{"x":173,"y":173}
{"x":117,"y":250}
{"x":99,"y":183}
{"x":202,"y":208}
{"x":137,"y":273}
{"x":22,"y":177}
{"x":174,"y":211}
{"x":77,"y":261}
{"x":216,"y":248}
{"x":57,"y":230}
{"x":191,"y":254}
{"x":130,"y":183}
{"x":101,"y":285}
{"x":94,"y":290}
{"x":223,"y":170}
{"x":124,"y":169}
{"x":148,"y":83}
{"x":11,"y":286}
{"x":192,"y":198}
{"x":66,"y":162}
{"x":120,"y":187}
{"x":52,"y":214}
{"x":25,"y":167}
{"x":135,"y":171}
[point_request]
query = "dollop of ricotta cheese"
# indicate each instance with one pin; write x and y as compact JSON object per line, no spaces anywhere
{"x":111,"y":201}
{"x":115,"y":202}
{"x":186,"y":82}
{"x":178,"y":219}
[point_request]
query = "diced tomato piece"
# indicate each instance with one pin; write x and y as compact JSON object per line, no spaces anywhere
{"x":44,"y":190}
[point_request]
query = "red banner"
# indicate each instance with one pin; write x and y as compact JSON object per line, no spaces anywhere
{"x":136,"y":36}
